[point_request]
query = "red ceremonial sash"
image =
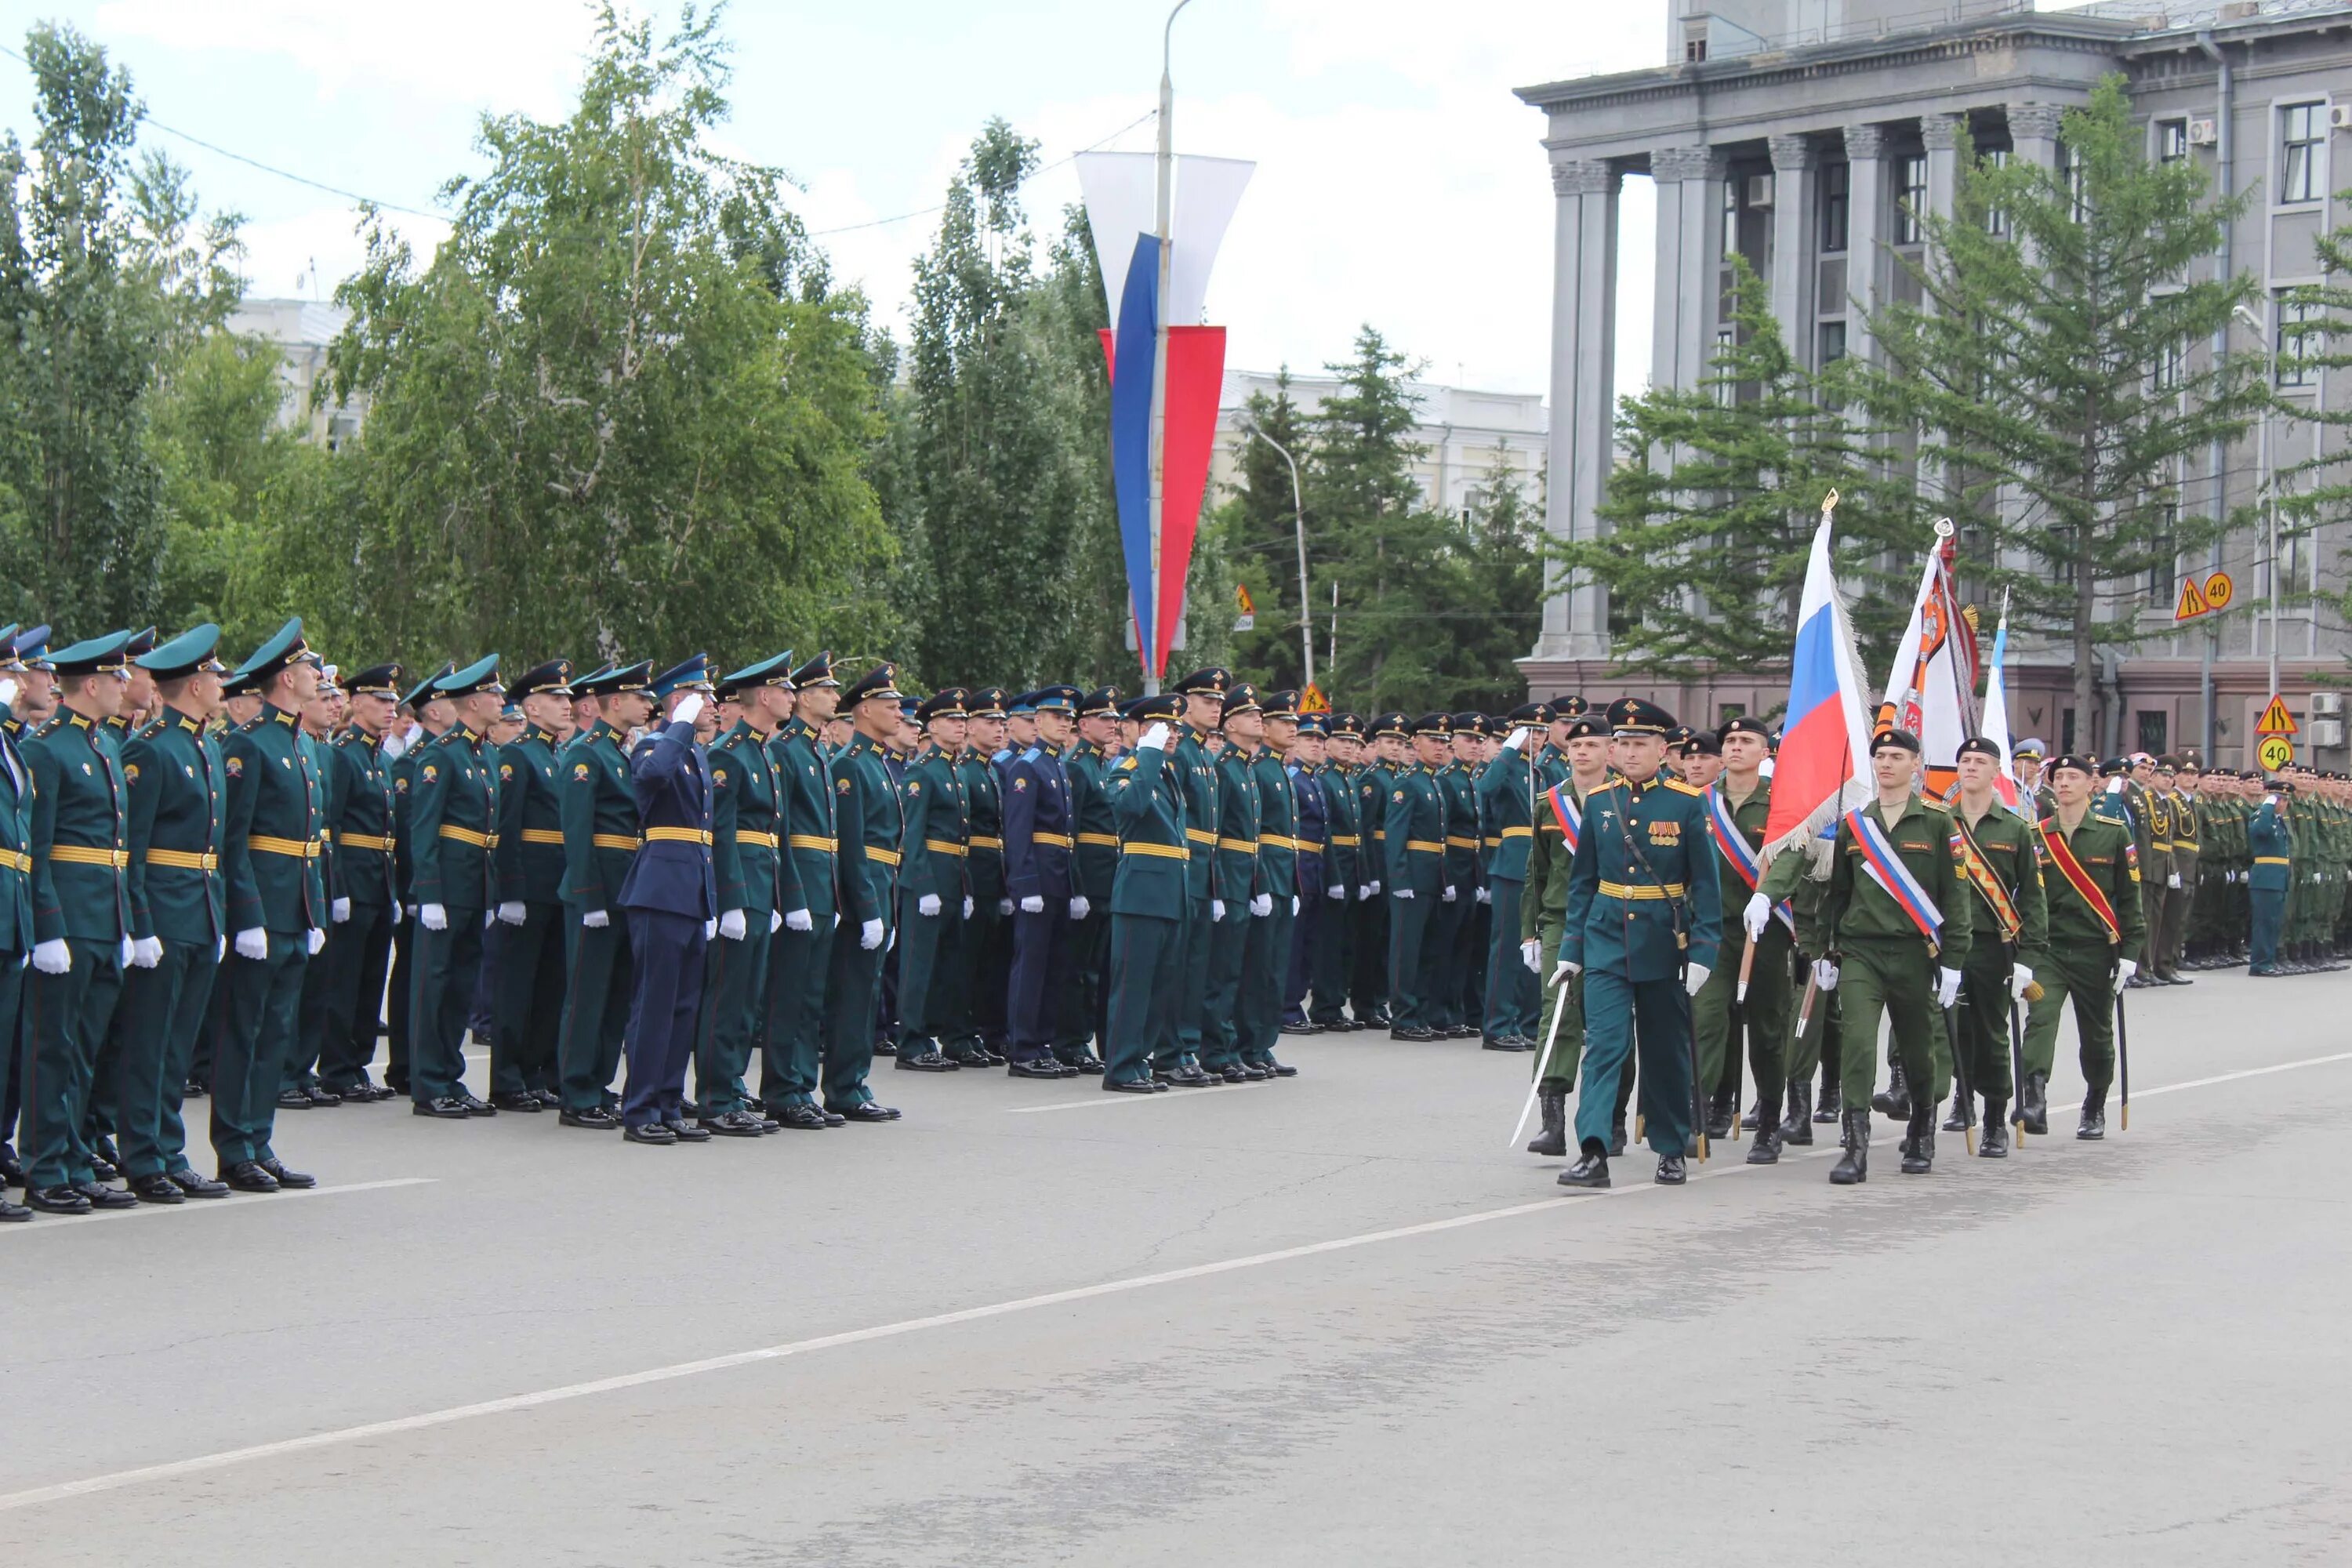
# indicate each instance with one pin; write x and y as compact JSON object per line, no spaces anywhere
{"x":2062,"y":856}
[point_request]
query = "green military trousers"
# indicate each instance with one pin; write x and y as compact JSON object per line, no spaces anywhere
{"x":1983,"y":1020}
{"x":64,"y":1029}
{"x":1557,"y":1074}
{"x":1895,"y":977}
{"x":1720,"y":1019}
{"x":1619,"y":1014}
{"x":2088,"y":978}
{"x":598,"y":976}
{"x":792,"y":1038}
{"x":264,"y":1000}
{"x":1409,"y":924}
{"x":1221,"y":995}
{"x":156,"y":1025}
{"x":1147,"y":965}
{"x":734,"y":987}
{"x":928,"y":968}
{"x":526,"y":1001}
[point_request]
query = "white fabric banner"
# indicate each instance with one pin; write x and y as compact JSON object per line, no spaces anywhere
{"x":1121,"y":194}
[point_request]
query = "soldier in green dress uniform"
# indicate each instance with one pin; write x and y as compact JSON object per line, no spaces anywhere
{"x":1412,"y":856}
{"x":935,"y":896}
{"x":1094,"y":870}
{"x":428,"y":719}
{"x":1331,"y":955}
{"x":1642,"y":925}
{"x":1447,"y":947}
{"x":1583,"y":744}
{"x":16,"y":906}
{"x":1235,"y":891}
{"x":1274,"y":901}
{"x":599,"y":813}
{"x":1506,"y":794}
{"x":866,"y":803}
{"x":791,"y":1040}
{"x":746,"y":844}
{"x":1183,"y":1025}
{"x":1387,"y":737}
{"x":278,"y":910}
{"x":2090,"y":877}
{"x":1739,"y":803}
{"x":364,"y":899}
{"x":528,"y":987}
{"x":2003,"y":893}
{"x":981,"y":961}
{"x":453,"y":833}
{"x":1149,"y":902}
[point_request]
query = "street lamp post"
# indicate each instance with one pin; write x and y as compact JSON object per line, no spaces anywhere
{"x":2264,"y":477}
{"x":1166,"y":191}
{"x":1299,"y":519}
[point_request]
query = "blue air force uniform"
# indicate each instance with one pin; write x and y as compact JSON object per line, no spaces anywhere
{"x":672,"y":898}
{"x":1094,"y":869}
{"x":1315,"y":873}
{"x":1039,"y":843}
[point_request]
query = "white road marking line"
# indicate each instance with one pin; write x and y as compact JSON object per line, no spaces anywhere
{"x":236,"y":1203}
{"x":1557,"y":1202}
{"x":1105,"y":1097}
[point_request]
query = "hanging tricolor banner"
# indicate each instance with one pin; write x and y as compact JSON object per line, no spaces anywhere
{"x":1120,"y":191}
{"x":1820,"y":770}
{"x":1996,"y":711}
{"x":1931,"y":690}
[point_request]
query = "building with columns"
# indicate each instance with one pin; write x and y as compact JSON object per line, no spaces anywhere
{"x":1806,"y":134}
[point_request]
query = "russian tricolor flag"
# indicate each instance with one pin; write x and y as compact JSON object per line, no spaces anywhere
{"x":1817,"y":772}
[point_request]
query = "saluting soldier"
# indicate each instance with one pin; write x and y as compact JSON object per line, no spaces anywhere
{"x":866,"y":808}
{"x":746,"y":844}
{"x":2269,"y":869}
{"x":1040,"y":845}
{"x":453,"y":838}
{"x":278,"y":910}
{"x":79,"y":838}
{"x":1318,"y":883}
{"x":671,"y":899}
{"x":2026,"y":759}
{"x":1148,"y":904}
{"x":934,"y":894}
{"x":179,"y":914}
{"x":1999,"y":864}
{"x":1094,"y":869}
{"x":1641,"y":927}
{"x":599,"y":812}
{"x":364,"y":901}
{"x":1414,"y":867}
{"x":1266,"y":960}
{"x":1177,"y":1058}
{"x":1507,"y":799}
{"x":800,"y":960}
{"x":1583,"y":745}
{"x":2090,"y":874}
{"x":526,"y":1007}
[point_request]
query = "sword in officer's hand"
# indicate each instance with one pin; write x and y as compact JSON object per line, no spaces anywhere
{"x":1558,"y":1006}
{"x":1960,"y":1074}
{"x":2122,"y":1060}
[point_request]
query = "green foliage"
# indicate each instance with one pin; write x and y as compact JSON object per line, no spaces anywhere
{"x":1711,"y":517}
{"x":619,"y":411}
{"x":2050,"y":362}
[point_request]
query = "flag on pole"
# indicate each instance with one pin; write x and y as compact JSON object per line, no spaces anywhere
{"x":1996,"y":709}
{"x":1931,"y":690}
{"x":1818,"y":771}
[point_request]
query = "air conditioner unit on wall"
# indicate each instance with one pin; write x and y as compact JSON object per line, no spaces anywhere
{"x":2339,"y":117}
{"x":2327,"y":733}
{"x":2327,"y":704}
{"x":2202,"y":133}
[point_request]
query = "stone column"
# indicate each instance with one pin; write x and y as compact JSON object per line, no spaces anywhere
{"x":2034,"y":133}
{"x":1793,"y":235}
{"x":1866,"y":231}
{"x":1583,"y":391}
{"x":1686,"y":249}
{"x":1702,"y":280}
{"x":1942,"y":134}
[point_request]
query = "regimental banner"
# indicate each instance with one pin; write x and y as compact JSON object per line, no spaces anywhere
{"x":1931,"y":690}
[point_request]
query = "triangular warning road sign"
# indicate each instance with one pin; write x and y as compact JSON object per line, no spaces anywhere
{"x":2192,"y":602}
{"x":2275,"y":719}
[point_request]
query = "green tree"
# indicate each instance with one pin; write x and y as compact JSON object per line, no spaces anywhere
{"x":621,"y":411}
{"x":1710,"y":519}
{"x":1257,"y":528}
{"x":2048,"y":362}
{"x":1497,"y":573}
{"x":2317,"y":334}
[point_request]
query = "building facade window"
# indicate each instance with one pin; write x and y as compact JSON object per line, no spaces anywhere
{"x":1836,"y":202}
{"x":1997,"y":218}
{"x":2299,"y":347}
{"x":1831,"y":344}
{"x":2078,"y":193}
{"x":2172,"y":140}
{"x":2172,"y":365}
{"x":1911,"y":198}
{"x":2302,"y":129}
{"x":2160,"y":564}
{"x":2154,"y":724}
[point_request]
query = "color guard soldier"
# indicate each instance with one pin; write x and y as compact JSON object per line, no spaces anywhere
{"x":528,"y":988}
{"x":1235,"y":891}
{"x":2090,"y":877}
{"x":179,"y":915}
{"x":1148,"y":905}
{"x":15,"y":906}
{"x":1039,"y":846}
{"x":1274,"y":910}
{"x":800,"y":955}
{"x":867,"y":809}
{"x":1738,"y":803}
{"x":278,"y":910}
{"x":1999,"y":866}
{"x":364,"y":902}
{"x":453,"y":837}
{"x":1319,"y":880}
{"x":984,"y":958}
{"x":1094,"y":877}
{"x":1506,"y":794}
{"x":934,"y":894}
{"x":599,"y":813}
{"x":671,"y":899}
{"x":746,"y":842}
{"x":1176,"y":1058}
{"x":1641,"y":925}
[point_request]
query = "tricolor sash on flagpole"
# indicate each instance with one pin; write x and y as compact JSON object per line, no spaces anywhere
{"x":1563,"y":808}
{"x":1886,"y":868}
{"x":2062,"y":855}
{"x":1736,"y":850}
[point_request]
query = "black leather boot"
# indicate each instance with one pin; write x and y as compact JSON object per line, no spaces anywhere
{"x":1764,"y":1149}
{"x":1750,"y":1117}
{"x":1956,"y":1119}
{"x":2033,"y":1105}
{"x":1853,"y":1165}
{"x":1590,"y":1171}
{"x":1831,"y":1104}
{"x":2093,"y":1125}
{"x":1617,"y":1138}
{"x":1992,"y":1141}
{"x":1553,"y":1139}
{"x":1799,"y":1128}
{"x":1720,"y":1110}
{"x":1895,"y":1099}
{"x":1919,"y":1148}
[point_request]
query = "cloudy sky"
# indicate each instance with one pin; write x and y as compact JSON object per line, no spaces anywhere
{"x":1399,"y":182}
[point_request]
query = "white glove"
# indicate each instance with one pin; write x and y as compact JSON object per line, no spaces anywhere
{"x":1519,"y":739}
{"x":836,"y":920}
{"x":2173,"y":880}
{"x":1262,"y":905}
{"x":1485,"y":895}
{"x":2116,"y":785}
{"x":1561,"y":970}
{"x":2270,"y":800}
{"x":1216,"y":908}
{"x":146,"y":952}
{"x":512,"y":913}
{"x":596,"y":919}
{"x":870,"y":935}
{"x":775,"y":923}
{"x":1034,"y":904}
{"x":1947,"y":987}
{"x":253,"y":942}
{"x":340,"y":910}
{"x":1401,"y":892}
{"x":8,"y":696}
{"x":433,"y":916}
{"x":1825,"y":974}
{"x":53,"y":956}
{"x":967,"y":906}
{"x":122,"y":954}
{"x":1756,"y":917}
{"x":1376,"y":885}
{"x":1294,"y":903}
{"x":687,"y":710}
{"x":1335,"y":891}
{"x":2020,"y":977}
{"x":1449,"y":895}
{"x":927,"y":905}
{"x":799,"y":919}
{"x":2125,"y":969}
{"x":710,"y":930}
{"x":1155,"y":738}
{"x":1369,"y":890}
{"x":1004,"y":906}
{"x":318,"y":941}
{"x":1531,"y":954}
{"x":1079,"y":907}
{"x":733,"y":926}
{"x":1693,"y":977}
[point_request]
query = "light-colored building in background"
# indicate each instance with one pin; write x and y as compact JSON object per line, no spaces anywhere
{"x":1798,"y":133}
{"x":1464,"y":434}
{"x":301,"y":330}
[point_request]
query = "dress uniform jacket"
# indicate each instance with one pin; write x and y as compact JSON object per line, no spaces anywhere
{"x":798,"y":962}
{"x":1506,"y":796}
{"x":1267,"y":964}
{"x":866,"y":808}
{"x":1149,"y":906}
{"x":746,"y":846}
{"x":453,"y":825}
{"x":359,"y":948}
{"x":934,"y":968}
{"x":1040,"y":846}
{"x":1094,"y":871}
{"x":671,"y":895}
{"x":1312,"y":835}
{"x":984,"y":967}
{"x":598,"y":810}
{"x":529,"y":860}
{"x":527,"y":992}
{"x":598,"y":815}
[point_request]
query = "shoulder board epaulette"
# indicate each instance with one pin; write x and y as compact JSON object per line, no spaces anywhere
{"x":49,"y":726}
{"x":1126,"y":763}
{"x":1033,"y":754}
{"x":1679,"y":787}
{"x":150,"y":729}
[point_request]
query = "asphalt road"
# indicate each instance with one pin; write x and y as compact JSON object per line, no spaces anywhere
{"x":1329,"y":1320}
